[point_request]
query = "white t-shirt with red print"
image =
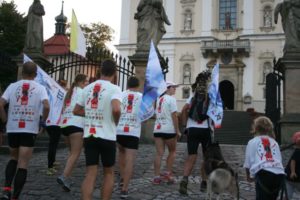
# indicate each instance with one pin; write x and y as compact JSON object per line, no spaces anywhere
{"x":192,"y":123}
{"x":263,"y":152}
{"x":25,"y":103}
{"x":129,"y":124}
{"x":165,"y":106}
{"x":68,"y":118}
{"x":96,"y":99}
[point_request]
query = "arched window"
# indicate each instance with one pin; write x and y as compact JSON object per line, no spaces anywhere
{"x":267,"y":68}
{"x":188,"y":20}
{"x":186,"y":74}
{"x":186,"y":92}
{"x":227,"y":14}
{"x":267,"y":17}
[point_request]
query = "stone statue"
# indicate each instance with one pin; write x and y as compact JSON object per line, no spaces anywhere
{"x":188,"y":22}
{"x":267,"y":18}
{"x":290,"y":18}
{"x":34,"y":35}
{"x":151,"y":18}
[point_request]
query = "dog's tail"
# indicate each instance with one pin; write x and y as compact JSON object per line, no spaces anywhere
{"x":237,"y":186}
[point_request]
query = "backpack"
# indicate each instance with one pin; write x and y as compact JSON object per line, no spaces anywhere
{"x":199,"y":107}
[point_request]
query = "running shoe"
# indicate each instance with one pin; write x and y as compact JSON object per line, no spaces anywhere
{"x":124,"y":194}
{"x":5,"y":195}
{"x":51,"y":171}
{"x":203,"y":186}
{"x":65,"y":182}
{"x":156,"y":180}
{"x":167,"y":177}
{"x":183,"y":187}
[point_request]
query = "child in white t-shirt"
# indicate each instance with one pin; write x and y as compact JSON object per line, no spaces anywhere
{"x":263,"y":161}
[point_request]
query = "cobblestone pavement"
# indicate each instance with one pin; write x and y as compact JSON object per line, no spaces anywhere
{"x":40,"y":186}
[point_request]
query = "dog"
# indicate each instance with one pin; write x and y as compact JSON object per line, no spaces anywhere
{"x":221,"y":177}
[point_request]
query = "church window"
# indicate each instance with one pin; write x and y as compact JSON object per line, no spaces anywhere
{"x":227,"y":14}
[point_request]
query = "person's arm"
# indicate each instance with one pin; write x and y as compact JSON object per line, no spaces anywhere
{"x":293,"y":169}
{"x":249,"y":179}
{"x":184,"y":114}
{"x":46,"y":109}
{"x":3,"y":115}
{"x":175,"y":124}
{"x":116,"y":110}
{"x":79,"y":110}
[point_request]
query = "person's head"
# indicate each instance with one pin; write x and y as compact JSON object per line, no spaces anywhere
{"x":62,"y":83}
{"x":133,"y":82}
{"x":80,"y":81}
{"x":296,"y":138}
{"x":29,"y":70}
{"x":171,"y":88}
{"x":108,"y":68}
{"x":201,"y":83}
{"x":263,"y":126}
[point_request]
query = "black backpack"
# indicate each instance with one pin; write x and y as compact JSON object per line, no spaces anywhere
{"x":199,"y":107}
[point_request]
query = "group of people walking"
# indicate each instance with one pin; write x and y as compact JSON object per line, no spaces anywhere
{"x":102,"y":119}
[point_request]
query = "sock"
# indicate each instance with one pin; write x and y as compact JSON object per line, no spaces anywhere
{"x":10,"y":172}
{"x":20,"y":180}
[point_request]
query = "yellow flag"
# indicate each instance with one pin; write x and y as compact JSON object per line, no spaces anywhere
{"x":77,"y":39}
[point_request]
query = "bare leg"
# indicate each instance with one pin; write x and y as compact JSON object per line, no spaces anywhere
{"x":76,"y":142}
{"x":189,"y":164}
{"x":107,"y":183}
{"x":130,"y":157}
{"x":160,"y":148}
{"x":171,"y":144}
{"x":89,"y":181}
{"x":122,"y":161}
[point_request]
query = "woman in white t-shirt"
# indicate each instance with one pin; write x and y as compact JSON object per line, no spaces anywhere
{"x":166,"y":132}
{"x":263,"y":161}
{"x":72,"y":128}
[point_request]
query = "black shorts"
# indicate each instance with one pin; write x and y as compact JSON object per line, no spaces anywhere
{"x":68,"y":130}
{"x":129,"y":142}
{"x":95,"y":147}
{"x":196,"y":136}
{"x":16,"y":140}
{"x":165,"y":136}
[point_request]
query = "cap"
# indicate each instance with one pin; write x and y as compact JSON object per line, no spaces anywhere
{"x":169,"y":84}
{"x":296,"y":136}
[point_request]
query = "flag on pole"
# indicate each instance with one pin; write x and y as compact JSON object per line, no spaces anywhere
{"x":77,"y":39}
{"x":154,"y":85}
{"x":215,"y":108}
{"x":55,"y":93}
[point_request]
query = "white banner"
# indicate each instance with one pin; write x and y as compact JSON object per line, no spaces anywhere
{"x":55,"y":92}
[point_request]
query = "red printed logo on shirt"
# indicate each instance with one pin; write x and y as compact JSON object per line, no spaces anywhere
{"x":65,"y":120}
{"x":24,"y":97}
{"x":158,"y":126}
{"x":94,"y":101}
{"x":159,"y":105}
{"x":130,"y":102}
{"x":68,"y":102}
{"x":267,"y":148}
{"x":92,"y":130}
{"x":126,"y":128}
{"x":22,"y":124}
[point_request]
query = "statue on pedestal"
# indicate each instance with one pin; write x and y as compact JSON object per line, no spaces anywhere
{"x":34,"y":35}
{"x":151,"y":18}
{"x":290,"y":18}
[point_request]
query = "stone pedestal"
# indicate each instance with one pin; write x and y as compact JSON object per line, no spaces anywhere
{"x":289,"y":65}
{"x":37,"y":58}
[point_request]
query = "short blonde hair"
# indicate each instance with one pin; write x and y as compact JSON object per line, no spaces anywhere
{"x":263,"y":126}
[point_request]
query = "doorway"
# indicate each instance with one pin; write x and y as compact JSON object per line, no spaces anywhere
{"x":227,"y":94}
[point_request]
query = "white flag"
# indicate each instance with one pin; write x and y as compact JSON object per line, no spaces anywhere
{"x":55,"y":93}
{"x":77,"y":39}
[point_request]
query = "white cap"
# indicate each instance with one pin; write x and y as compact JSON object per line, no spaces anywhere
{"x":169,"y":84}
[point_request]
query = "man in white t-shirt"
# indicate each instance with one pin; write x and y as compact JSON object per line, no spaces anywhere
{"x":26,"y":99}
{"x":100,"y":105}
{"x":128,"y":132}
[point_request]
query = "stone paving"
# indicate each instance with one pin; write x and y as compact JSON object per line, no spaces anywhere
{"x":40,"y":186}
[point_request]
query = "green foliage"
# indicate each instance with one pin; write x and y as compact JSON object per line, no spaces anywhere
{"x":12,"y":28}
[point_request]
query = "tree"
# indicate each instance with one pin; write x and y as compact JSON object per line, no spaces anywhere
{"x":12,"y":38}
{"x":12,"y":29}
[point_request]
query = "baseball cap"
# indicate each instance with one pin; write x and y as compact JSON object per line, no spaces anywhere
{"x":296,"y":136}
{"x":171,"y":84}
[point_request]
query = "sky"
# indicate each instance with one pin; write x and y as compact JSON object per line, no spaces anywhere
{"x":87,"y":11}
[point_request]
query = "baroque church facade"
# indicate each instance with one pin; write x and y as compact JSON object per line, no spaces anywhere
{"x":238,"y":34}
